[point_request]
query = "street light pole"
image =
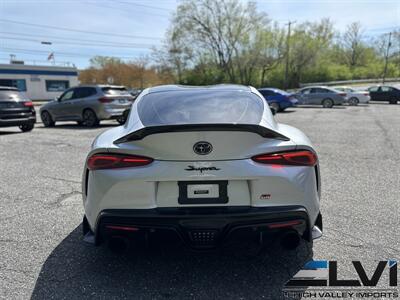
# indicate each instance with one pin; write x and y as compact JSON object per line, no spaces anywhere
{"x":289,"y":24}
{"x":387,"y":57}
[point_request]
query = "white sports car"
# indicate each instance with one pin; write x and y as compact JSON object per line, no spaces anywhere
{"x":206,"y":164}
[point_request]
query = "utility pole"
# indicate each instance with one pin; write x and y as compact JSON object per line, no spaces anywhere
{"x":289,"y":24}
{"x":387,"y":57}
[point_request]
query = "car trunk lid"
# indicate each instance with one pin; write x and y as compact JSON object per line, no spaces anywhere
{"x":219,"y":145}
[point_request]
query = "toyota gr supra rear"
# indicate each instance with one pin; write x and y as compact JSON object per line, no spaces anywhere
{"x":206,"y":164}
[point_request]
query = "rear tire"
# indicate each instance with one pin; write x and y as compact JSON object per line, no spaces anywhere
{"x":89,"y":118}
{"x":121,"y":120}
{"x":47,"y":119}
{"x":275,"y":106}
{"x":26,"y":127}
{"x":327,"y":103}
{"x":353,"y":101}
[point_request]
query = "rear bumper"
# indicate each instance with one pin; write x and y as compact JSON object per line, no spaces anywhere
{"x":203,"y":227}
{"x":113,"y":113}
{"x":17,"y":121}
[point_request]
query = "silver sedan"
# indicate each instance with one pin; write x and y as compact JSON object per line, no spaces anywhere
{"x":320,"y":95}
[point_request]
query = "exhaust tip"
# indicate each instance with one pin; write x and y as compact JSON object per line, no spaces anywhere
{"x":118,"y":244}
{"x":290,"y":240}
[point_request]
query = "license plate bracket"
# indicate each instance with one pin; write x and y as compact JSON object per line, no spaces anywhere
{"x":186,"y":187}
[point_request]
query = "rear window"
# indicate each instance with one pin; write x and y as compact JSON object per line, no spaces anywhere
{"x":200,"y":107}
{"x":12,"y":95}
{"x":320,"y":90}
{"x":115,"y":91}
{"x":282,"y":92}
{"x":373,"y":89}
{"x":266,"y":92}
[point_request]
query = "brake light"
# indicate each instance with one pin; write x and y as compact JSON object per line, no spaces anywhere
{"x":105,"y":100}
{"x":284,"y":224}
{"x":123,"y":228}
{"x":366,"y":94}
{"x":343,"y":94}
{"x":293,"y":158}
{"x":115,"y":161}
{"x":28,"y":103}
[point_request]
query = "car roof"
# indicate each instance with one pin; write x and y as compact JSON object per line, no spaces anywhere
{"x":269,"y":89}
{"x":217,"y":87}
{"x":101,"y":86}
{"x":8,"y":88}
{"x":383,"y":85}
{"x":317,"y":86}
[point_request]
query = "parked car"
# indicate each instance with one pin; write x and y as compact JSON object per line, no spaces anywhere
{"x":206,"y":164}
{"x":354,"y":97}
{"x":87,"y":105}
{"x":134,"y":92}
{"x":277,"y":99}
{"x":16,"y":109}
{"x":320,"y":95}
{"x":384,"y":93}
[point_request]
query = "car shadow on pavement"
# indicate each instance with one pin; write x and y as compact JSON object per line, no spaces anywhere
{"x":77,"y":270}
{"x":76,"y":126}
{"x":10,"y":132}
{"x":320,"y":107}
{"x":286,"y":111}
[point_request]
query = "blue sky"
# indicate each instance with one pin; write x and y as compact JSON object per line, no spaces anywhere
{"x":134,"y":26}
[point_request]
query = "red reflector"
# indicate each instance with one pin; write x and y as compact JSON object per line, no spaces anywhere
{"x":114,"y":161}
{"x":28,"y":103}
{"x":294,"y":158}
{"x":106,"y":100}
{"x":123,"y":228}
{"x":284,"y":224}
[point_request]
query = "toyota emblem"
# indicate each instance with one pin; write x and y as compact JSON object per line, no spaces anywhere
{"x":202,"y":148}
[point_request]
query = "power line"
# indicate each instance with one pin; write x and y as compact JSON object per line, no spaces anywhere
{"x":78,"y":44}
{"x":101,"y":5}
{"x":74,"y":39}
{"x":67,"y":54}
{"x":80,"y":31}
{"x":143,"y":5}
{"x":383,"y":28}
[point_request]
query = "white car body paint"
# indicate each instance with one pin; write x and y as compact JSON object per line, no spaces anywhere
{"x":156,"y":185}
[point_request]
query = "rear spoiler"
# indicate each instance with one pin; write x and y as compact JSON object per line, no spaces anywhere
{"x":142,"y":133}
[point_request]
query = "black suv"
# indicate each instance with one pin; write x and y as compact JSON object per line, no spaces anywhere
{"x":384,"y":93}
{"x":16,"y":109}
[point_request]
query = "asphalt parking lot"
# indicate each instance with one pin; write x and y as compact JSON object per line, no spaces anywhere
{"x":42,"y":254}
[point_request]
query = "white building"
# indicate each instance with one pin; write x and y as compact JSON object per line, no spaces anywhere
{"x":38,"y":82}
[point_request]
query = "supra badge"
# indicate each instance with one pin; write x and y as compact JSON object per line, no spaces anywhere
{"x":201,"y":169}
{"x":202,"y":148}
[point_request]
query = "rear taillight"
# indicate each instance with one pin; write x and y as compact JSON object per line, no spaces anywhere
{"x":293,"y":158}
{"x":284,"y":224}
{"x":343,"y":94}
{"x":28,"y":103}
{"x":122,"y":228}
{"x":114,"y":161}
{"x":366,"y":94}
{"x":105,"y":100}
